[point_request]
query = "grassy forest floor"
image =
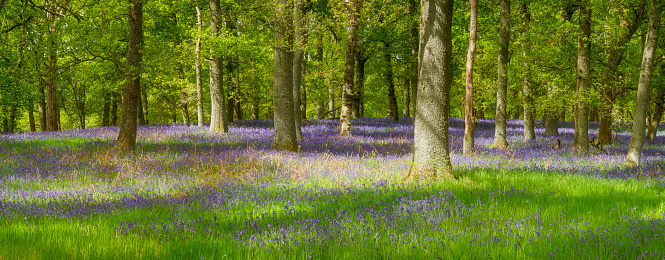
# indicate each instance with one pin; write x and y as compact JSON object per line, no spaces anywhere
{"x":188,"y":194}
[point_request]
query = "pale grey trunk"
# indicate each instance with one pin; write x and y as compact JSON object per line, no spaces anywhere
{"x":468,"y":145}
{"x":218,"y":122}
{"x":642,"y":100}
{"x":285,"y":134}
{"x":500,"y":140}
{"x":299,"y":24}
{"x":349,"y":62}
{"x":529,"y":121}
{"x":197,"y":64}
{"x":431,"y":154}
{"x":551,"y":124}
{"x":255,"y":112}
{"x":126,"y":140}
{"x":581,"y":138}
{"x":331,"y":101}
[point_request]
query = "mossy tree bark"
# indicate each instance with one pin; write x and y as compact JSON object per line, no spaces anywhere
{"x":500,"y":140}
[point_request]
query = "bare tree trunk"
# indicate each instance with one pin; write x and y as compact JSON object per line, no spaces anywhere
{"x":581,"y":139}
{"x":41,"y":107}
{"x":218,"y":121}
{"x":431,"y":152}
{"x":255,"y":111}
{"x":392,"y":99}
{"x":349,"y":62}
{"x":359,"y":84}
{"x":299,"y":24}
{"x":106,"y":108}
{"x":126,"y":140}
{"x":197,"y":64}
{"x":657,"y":116}
{"x":285,"y":134}
{"x":406,"y":98}
{"x":140,"y":117}
{"x":469,"y":119}
{"x":114,"y":108}
{"x":642,"y":100}
{"x":31,"y":115}
{"x":551,"y":124}
{"x":331,"y":101}
{"x":52,"y":68}
{"x":500,"y":140}
{"x":144,"y":105}
{"x":415,"y":40}
{"x":320,"y":109}
{"x":303,"y":106}
{"x":184,"y":107}
{"x":529,"y":121}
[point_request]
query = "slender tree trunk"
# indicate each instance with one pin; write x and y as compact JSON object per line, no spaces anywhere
{"x":657,"y":115}
{"x":594,"y":114}
{"x":144,"y":105}
{"x":331,"y":101}
{"x":469,"y":119}
{"x":347,"y":91}
{"x":218,"y":121}
{"x":529,"y":121}
{"x":114,"y":108}
{"x":303,"y":106}
{"x":140,"y":117}
{"x":320,"y":109}
{"x":31,"y":115}
{"x":500,"y":140}
{"x":406,"y":98}
{"x":359,"y":84}
{"x":581,"y":138}
{"x":392,"y":99}
{"x":285,"y":134}
{"x":431,"y":152}
{"x":41,"y":107}
{"x":106,"y":108}
{"x":299,"y":24}
{"x":127,"y":135}
{"x":255,"y":111}
{"x":184,"y":107}
{"x":415,"y":40}
{"x":197,"y":64}
{"x":642,"y":100}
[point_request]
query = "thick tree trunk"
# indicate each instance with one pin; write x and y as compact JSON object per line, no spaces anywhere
{"x":415,"y":40}
{"x":126,"y":140}
{"x":581,"y":138}
{"x":529,"y":121}
{"x":431,"y":152}
{"x":642,"y":100}
{"x":500,"y":140}
{"x":469,"y":119}
{"x":52,"y":68}
{"x":197,"y":64}
{"x":285,"y":134}
{"x":218,"y":121}
{"x":657,"y":116}
{"x":392,"y":99}
{"x":551,"y":124}
{"x":299,"y":24}
{"x":349,"y":62}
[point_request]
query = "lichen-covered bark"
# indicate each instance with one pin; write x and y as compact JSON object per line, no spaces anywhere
{"x":126,"y":140}
{"x":431,"y":154}
{"x":500,"y":140}
{"x":218,"y":122}
{"x":642,"y":100}
{"x":285,"y":134}
{"x":581,"y":139}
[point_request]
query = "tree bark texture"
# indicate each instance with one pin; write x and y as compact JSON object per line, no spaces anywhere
{"x":642,"y":100}
{"x":406,"y":98}
{"x":52,"y":119}
{"x":349,"y":62}
{"x":529,"y":121}
{"x":392,"y":98}
{"x":285,"y":134}
{"x":115,"y":97}
{"x":500,"y":140}
{"x":197,"y":64}
{"x":331,"y":100}
{"x":41,"y":107}
{"x":126,"y":140}
{"x":31,"y":116}
{"x":218,"y":121}
{"x":551,"y":124}
{"x":299,"y":50}
{"x":581,"y":138}
{"x":431,"y":152}
{"x":469,"y":119}
{"x":320,"y":109}
{"x":140,"y":116}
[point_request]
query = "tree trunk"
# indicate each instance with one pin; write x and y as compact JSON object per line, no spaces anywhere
{"x":581,"y":138}
{"x":31,"y":115}
{"x":230,"y":95}
{"x":657,"y":116}
{"x":126,"y":140}
{"x":218,"y":121}
{"x":184,"y":107}
{"x":642,"y":100}
{"x":406,"y":98}
{"x":140,"y":117}
{"x":41,"y":107}
{"x":551,"y":124}
{"x":197,"y":64}
{"x":114,"y":108}
{"x":529,"y":121}
{"x":331,"y":101}
{"x":303,"y":106}
{"x":431,"y":152}
{"x":469,"y":119}
{"x":360,"y":84}
{"x":106,"y":108}
{"x":144,"y":104}
{"x":392,"y":99}
{"x":349,"y":62}
{"x":414,"y":14}
{"x":255,"y":111}
{"x":298,"y":64}
{"x":285,"y":134}
{"x":52,"y":68}
{"x":320,"y":109}
{"x":500,"y":140}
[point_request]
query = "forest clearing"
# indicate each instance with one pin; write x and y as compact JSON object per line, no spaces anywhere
{"x":191,"y":194}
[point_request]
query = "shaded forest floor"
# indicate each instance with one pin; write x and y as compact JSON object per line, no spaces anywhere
{"x":189,"y":194}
